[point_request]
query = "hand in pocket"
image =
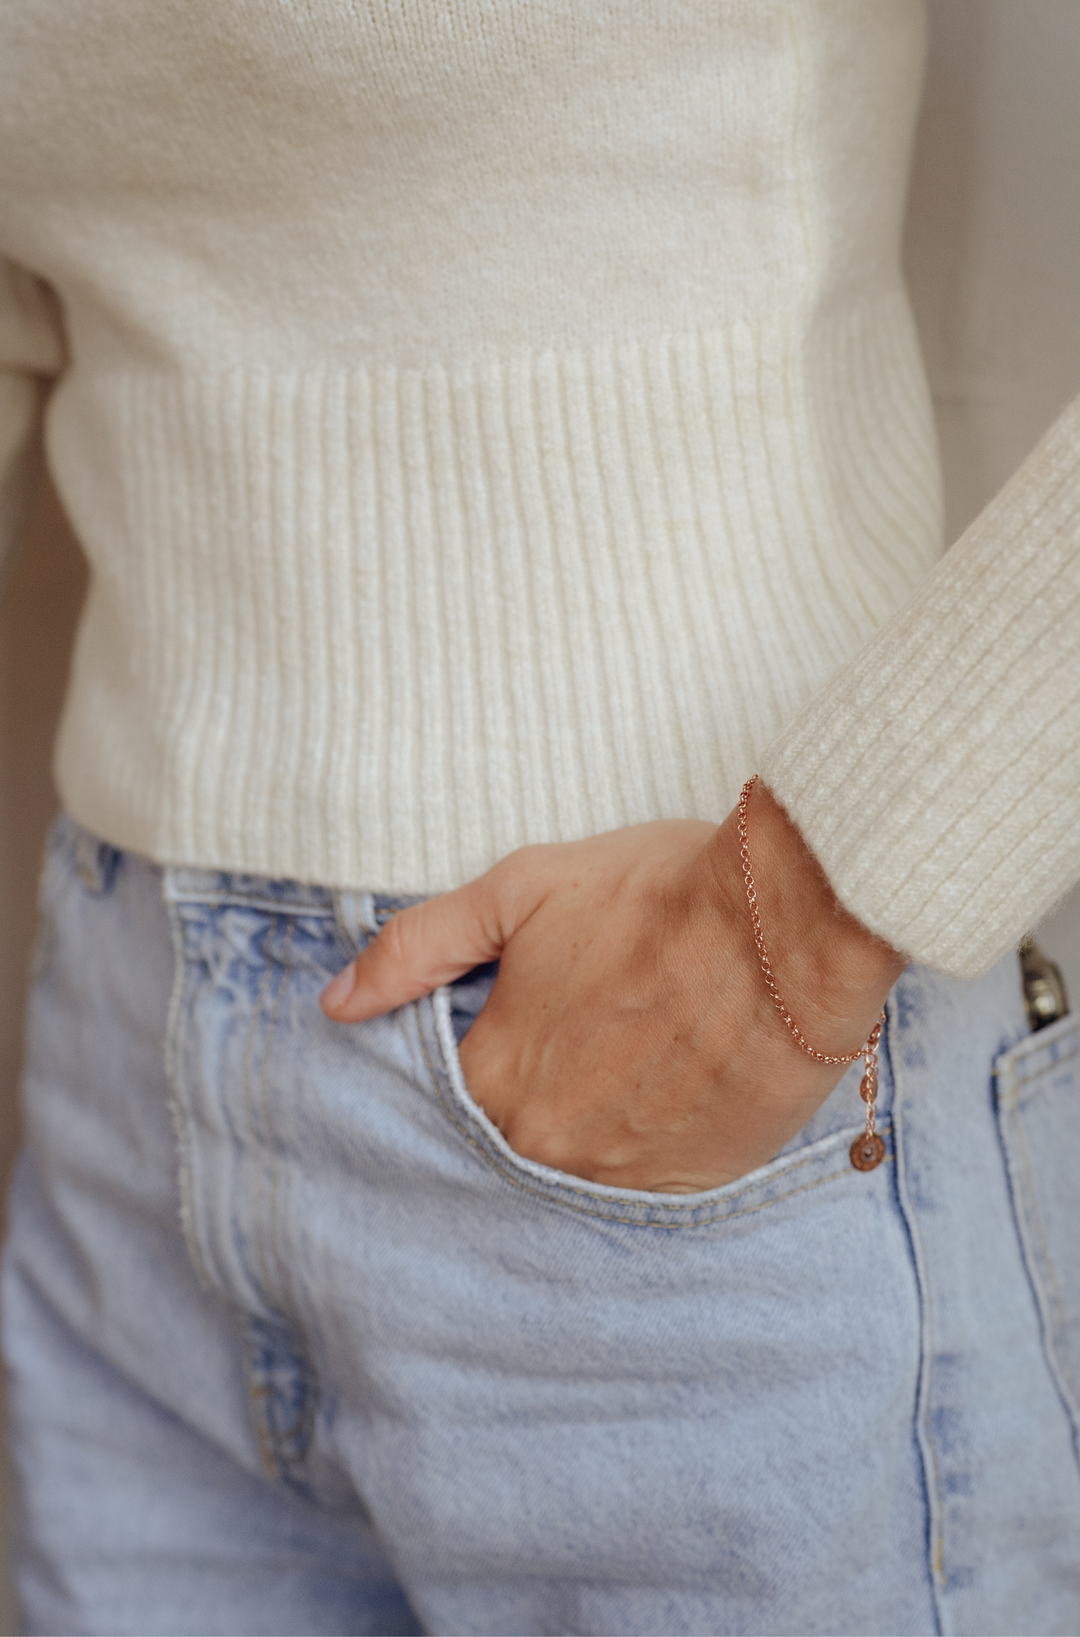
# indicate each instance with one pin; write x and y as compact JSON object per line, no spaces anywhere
{"x":629,"y":1038}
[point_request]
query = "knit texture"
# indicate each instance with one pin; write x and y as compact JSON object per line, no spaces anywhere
{"x":936,"y":776}
{"x":453,"y":613}
{"x":486,"y":423}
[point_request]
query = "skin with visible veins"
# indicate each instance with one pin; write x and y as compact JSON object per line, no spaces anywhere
{"x":629,"y":1037}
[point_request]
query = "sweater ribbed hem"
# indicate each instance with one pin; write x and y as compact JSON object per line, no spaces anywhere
{"x":937,"y":775}
{"x":380,"y":627}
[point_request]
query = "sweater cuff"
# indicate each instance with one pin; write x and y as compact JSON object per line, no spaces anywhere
{"x":937,"y":775}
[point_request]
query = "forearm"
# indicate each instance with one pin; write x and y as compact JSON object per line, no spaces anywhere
{"x":936,"y":775}
{"x":833,"y":972}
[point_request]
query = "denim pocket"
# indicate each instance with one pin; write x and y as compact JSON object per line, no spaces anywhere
{"x":798,"y":1169}
{"x":1038,"y":1106}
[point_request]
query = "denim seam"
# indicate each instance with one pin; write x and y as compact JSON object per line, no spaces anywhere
{"x":935,"y":1543}
{"x":248,"y":1103}
{"x":273,"y":1246}
{"x":282,"y":1463}
{"x":1035,"y":1217}
{"x":276,"y":1461}
{"x":1010,"y":1097}
{"x":1038,"y":1262}
{"x":840,"y":1139}
{"x":553,"y":1195}
{"x":265,"y":906}
{"x":279,"y":1463}
{"x":181,"y":1121}
{"x":257,"y":1398}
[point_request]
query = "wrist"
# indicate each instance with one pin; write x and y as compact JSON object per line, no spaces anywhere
{"x":832,"y":971}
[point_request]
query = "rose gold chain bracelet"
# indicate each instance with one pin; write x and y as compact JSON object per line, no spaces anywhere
{"x":868,"y":1150}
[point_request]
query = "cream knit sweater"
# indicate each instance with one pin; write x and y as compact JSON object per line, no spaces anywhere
{"x":500,"y":420}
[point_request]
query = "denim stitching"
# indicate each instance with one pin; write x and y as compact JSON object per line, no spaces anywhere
{"x":258,"y":1394}
{"x":290,"y":1442}
{"x":248,"y":1100}
{"x":1034,"y":1217}
{"x":553,"y":1196}
{"x":274,"y":1165}
{"x":182,"y":1125}
{"x":1009,"y":1102}
{"x":675,"y":1204}
{"x":283,"y":1393}
{"x":1010,"y":1097}
{"x":284,"y":1448}
{"x":265,"y":906}
{"x":1041,"y":1269}
{"x":931,"y":1465}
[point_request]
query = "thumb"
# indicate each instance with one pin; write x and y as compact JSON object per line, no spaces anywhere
{"x":420,"y":948}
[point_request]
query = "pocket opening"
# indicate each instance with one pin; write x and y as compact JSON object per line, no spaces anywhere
{"x":792,"y":1172}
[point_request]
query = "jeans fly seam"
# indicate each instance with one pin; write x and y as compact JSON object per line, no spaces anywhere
{"x":274,"y":1244}
{"x":248,"y":1104}
{"x":552,"y":1196}
{"x":280,"y":1463}
{"x":288,"y":1464}
{"x":181,"y":1120}
{"x":266,"y":1396}
{"x":258,"y":1396}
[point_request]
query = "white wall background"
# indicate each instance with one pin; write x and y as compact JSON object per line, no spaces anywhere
{"x":993,"y":254}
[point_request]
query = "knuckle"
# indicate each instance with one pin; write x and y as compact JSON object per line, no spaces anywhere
{"x":384,"y":955}
{"x":519,"y":878}
{"x":402,"y":933}
{"x":537,"y":1140}
{"x":390,"y":944}
{"x":511,"y":868}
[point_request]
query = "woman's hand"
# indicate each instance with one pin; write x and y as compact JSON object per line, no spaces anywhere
{"x":629,"y":1037}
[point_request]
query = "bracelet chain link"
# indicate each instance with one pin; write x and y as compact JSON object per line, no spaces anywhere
{"x":867,"y":1151}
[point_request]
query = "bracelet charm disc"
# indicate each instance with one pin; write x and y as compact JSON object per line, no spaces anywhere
{"x":868,"y":1150}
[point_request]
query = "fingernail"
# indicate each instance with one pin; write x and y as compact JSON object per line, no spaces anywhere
{"x":337,"y":990}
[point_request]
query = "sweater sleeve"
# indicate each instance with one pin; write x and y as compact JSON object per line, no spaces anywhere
{"x":31,"y":349}
{"x":937,"y":775}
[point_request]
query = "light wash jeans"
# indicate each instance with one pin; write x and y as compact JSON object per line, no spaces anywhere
{"x":297,"y":1344}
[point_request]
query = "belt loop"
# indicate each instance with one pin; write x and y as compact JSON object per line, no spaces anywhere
{"x":96,"y":863}
{"x":86,"y":862}
{"x":355,"y":913}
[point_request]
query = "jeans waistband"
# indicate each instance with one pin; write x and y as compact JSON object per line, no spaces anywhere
{"x":359,"y":913}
